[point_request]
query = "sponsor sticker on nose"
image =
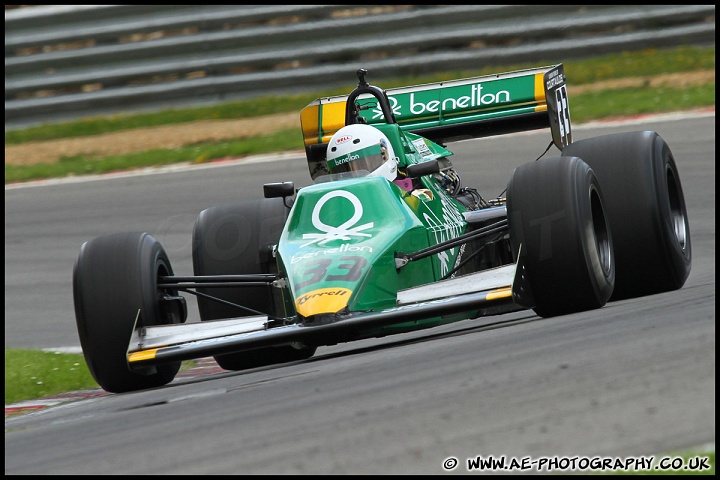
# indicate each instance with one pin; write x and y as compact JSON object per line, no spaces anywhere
{"x":322,"y":300}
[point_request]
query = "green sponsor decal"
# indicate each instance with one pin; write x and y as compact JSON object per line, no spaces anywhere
{"x":442,"y":102}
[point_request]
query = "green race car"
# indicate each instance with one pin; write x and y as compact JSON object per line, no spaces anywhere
{"x":387,"y":240}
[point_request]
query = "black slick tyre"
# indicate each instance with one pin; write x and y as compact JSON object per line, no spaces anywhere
{"x":560,"y":236}
{"x":115,"y":279}
{"x":645,"y":207}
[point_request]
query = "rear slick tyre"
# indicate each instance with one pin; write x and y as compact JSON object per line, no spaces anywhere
{"x":646,"y":209}
{"x":559,"y":230}
{"x":115,"y":278}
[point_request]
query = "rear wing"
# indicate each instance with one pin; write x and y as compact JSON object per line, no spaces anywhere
{"x":456,"y":109}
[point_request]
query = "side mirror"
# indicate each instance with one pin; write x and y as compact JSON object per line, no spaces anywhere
{"x":280,"y":189}
{"x":418,"y":170}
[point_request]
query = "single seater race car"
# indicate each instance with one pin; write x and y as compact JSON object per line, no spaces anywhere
{"x":387,"y":239}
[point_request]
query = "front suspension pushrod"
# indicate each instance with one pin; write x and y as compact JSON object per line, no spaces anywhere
{"x":402,"y":259}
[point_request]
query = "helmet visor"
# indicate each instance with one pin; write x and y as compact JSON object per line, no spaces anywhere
{"x":369,"y":159}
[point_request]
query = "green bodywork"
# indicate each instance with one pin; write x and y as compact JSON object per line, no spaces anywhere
{"x":338,"y":248}
{"x":343,"y":236}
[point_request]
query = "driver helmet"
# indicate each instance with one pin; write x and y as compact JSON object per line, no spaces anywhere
{"x":361,"y":147}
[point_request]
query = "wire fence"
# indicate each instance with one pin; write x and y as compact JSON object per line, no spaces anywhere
{"x":72,"y":61}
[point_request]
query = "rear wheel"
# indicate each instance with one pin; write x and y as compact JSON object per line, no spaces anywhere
{"x":645,"y":207}
{"x":560,"y":236}
{"x":114,"y":281}
{"x":235,"y":239}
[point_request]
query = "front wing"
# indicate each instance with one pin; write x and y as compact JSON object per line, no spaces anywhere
{"x":486,"y":291}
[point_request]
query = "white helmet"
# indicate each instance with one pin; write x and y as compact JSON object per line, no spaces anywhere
{"x":361,"y":147}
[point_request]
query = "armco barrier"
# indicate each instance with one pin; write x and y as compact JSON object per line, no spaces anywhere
{"x":64,"y":62}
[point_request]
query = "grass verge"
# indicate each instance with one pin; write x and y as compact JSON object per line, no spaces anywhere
{"x":652,"y":62}
{"x":590,"y":105}
{"x":36,"y":374}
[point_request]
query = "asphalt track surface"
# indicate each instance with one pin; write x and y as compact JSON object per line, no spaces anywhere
{"x":635,"y":378}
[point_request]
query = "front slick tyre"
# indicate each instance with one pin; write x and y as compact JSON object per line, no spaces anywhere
{"x":114,"y":278}
{"x":557,"y":224}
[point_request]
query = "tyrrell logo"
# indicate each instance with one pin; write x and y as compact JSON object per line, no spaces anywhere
{"x":323,"y":300}
{"x":302,"y":299}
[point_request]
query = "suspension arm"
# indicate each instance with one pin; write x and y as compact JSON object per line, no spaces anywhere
{"x":216,"y":281}
{"x":402,"y":259}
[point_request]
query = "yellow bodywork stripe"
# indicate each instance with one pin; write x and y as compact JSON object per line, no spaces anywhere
{"x":320,"y":121}
{"x":142,"y":355}
{"x":540,"y":92}
{"x":499,"y":293}
{"x":540,"y":87}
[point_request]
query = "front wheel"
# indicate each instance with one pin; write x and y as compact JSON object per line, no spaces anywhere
{"x":560,"y":235}
{"x":115,"y":282}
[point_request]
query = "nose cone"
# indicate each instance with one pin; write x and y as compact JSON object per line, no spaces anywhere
{"x":337,"y":248}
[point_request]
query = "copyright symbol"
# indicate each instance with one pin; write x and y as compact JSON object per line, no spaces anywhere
{"x":450,"y":463}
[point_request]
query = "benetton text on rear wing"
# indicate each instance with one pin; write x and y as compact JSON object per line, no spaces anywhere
{"x":456,"y":109}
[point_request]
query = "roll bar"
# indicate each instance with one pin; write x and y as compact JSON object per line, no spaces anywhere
{"x":352,"y":111}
